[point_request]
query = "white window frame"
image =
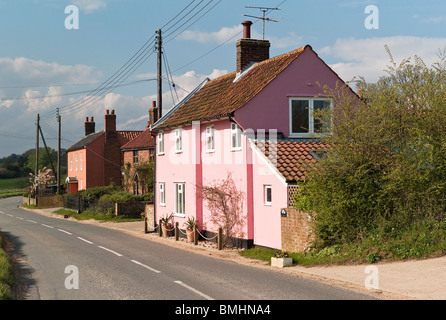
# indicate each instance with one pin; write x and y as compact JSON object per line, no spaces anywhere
{"x":210,"y":139}
{"x":76,"y":160}
{"x":268,"y":202}
{"x":82,"y":162}
{"x":310,"y":116}
{"x":178,"y":140}
{"x":236,"y":131}
{"x":162,"y":190}
{"x":161,"y":142}
{"x":180,"y":202}
{"x":71,"y":162}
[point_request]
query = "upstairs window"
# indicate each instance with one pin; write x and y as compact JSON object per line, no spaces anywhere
{"x":236,"y":137}
{"x":135,"y":156}
{"x":179,"y":140}
{"x":210,"y":141}
{"x":303,"y":116}
{"x":161,"y":142}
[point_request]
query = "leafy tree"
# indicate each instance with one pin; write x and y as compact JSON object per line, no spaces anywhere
{"x":386,"y":163}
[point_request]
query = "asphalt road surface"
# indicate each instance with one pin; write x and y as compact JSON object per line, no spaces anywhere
{"x":66,"y":260}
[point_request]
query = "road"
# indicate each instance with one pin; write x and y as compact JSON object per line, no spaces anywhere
{"x":67,"y":260}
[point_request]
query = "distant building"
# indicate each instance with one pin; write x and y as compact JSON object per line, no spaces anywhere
{"x":96,"y":160}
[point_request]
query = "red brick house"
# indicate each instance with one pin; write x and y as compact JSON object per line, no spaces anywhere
{"x":138,"y":159}
{"x":96,"y":160}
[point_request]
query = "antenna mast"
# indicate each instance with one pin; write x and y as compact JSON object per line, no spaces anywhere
{"x":264,"y":10}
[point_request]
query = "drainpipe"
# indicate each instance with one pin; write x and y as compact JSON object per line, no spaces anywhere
{"x":154,"y":180}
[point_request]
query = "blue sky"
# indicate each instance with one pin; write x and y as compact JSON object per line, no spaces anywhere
{"x":43,"y":64}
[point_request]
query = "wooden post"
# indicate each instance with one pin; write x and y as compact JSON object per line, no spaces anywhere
{"x":160,"y":232}
{"x":145,"y":225}
{"x":220,"y":239}
{"x":195,"y":235}
{"x":177,"y":231}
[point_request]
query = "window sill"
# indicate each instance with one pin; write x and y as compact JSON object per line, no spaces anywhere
{"x":179,"y":215}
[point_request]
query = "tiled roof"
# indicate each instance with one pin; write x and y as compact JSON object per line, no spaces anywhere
{"x":143,"y":141}
{"x":221,"y":97}
{"x":129,"y":135}
{"x":85,"y":141}
{"x":291,"y":157}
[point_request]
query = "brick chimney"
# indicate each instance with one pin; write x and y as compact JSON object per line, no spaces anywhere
{"x":112,"y":151}
{"x":153,"y":112}
{"x":90,"y":126}
{"x":249,"y":50}
{"x":110,"y":121}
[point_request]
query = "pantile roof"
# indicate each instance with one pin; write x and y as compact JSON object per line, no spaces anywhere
{"x":221,"y":97}
{"x":129,"y":135}
{"x":142,"y":141}
{"x":291,"y":157}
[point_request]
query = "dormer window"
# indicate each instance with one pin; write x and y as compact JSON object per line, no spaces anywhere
{"x":303,"y":122}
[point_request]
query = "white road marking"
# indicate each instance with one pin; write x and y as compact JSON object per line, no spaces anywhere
{"x":194,"y":290}
{"x":109,"y":250}
{"x":65,"y":232}
{"x":45,"y":225}
{"x":31,"y":221}
{"x":20,"y":218}
{"x":145,"y":266}
{"x":10,"y":215}
{"x":85,"y":240}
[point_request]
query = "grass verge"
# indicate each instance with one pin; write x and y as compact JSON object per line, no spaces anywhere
{"x":6,"y":274}
{"x":88,"y":215}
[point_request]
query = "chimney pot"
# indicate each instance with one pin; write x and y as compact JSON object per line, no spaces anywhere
{"x":247,"y":29}
{"x":113,"y":111}
{"x":92,"y":119}
{"x":107,"y":111}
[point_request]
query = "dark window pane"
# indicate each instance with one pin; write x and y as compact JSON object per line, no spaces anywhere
{"x":300,"y":116}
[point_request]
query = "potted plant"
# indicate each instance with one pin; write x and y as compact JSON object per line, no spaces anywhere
{"x":281,"y":259}
{"x":166,"y":225}
{"x":190,"y":224}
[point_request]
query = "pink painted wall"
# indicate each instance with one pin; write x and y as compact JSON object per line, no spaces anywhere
{"x":271,"y":105}
{"x":267,"y":221}
{"x":196,"y":166}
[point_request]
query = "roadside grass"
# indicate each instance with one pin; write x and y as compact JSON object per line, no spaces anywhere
{"x":6,"y":274}
{"x":12,"y":187}
{"x":419,"y":240}
{"x":88,"y":215}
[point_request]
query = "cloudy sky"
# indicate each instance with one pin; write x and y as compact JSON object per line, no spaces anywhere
{"x":109,"y":61}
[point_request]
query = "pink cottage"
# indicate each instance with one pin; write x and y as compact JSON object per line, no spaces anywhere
{"x":255,"y":124}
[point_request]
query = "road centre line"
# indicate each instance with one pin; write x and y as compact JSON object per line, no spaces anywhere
{"x":109,"y":250}
{"x":45,"y":225}
{"x":61,"y":230}
{"x":85,"y":240}
{"x":10,"y":215}
{"x":194,"y":290}
{"x":31,"y":221}
{"x":20,"y":218}
{"x":145,"y":266}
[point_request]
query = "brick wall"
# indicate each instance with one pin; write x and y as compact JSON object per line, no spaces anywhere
{"x":296,"y":231}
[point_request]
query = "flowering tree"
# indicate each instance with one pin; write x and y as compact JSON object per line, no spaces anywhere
{"x":44,"y":178}
{"x":225,"y":202}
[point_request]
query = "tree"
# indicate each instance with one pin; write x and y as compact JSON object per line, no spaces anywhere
{"x":386,"y":163}
{"x":225,"y":202}
{"x":44,"y":178}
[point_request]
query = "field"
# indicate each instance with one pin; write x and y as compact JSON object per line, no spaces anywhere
{"x":12,"y":187}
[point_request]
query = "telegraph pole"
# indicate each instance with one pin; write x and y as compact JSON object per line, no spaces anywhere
{"x":160,"y":74}
{"x":58,"y":151}
{"x":37,"y":145}
{"x":37,"y":151}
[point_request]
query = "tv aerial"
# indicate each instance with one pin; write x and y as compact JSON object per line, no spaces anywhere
{"x":264,"y":10}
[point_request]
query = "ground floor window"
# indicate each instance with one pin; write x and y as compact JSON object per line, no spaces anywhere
{"x":179,"y":198}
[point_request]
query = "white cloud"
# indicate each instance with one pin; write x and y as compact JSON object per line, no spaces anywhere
{"x":89,"y":6}
{"x":368,"y":57}
{"x":232,"y":34}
